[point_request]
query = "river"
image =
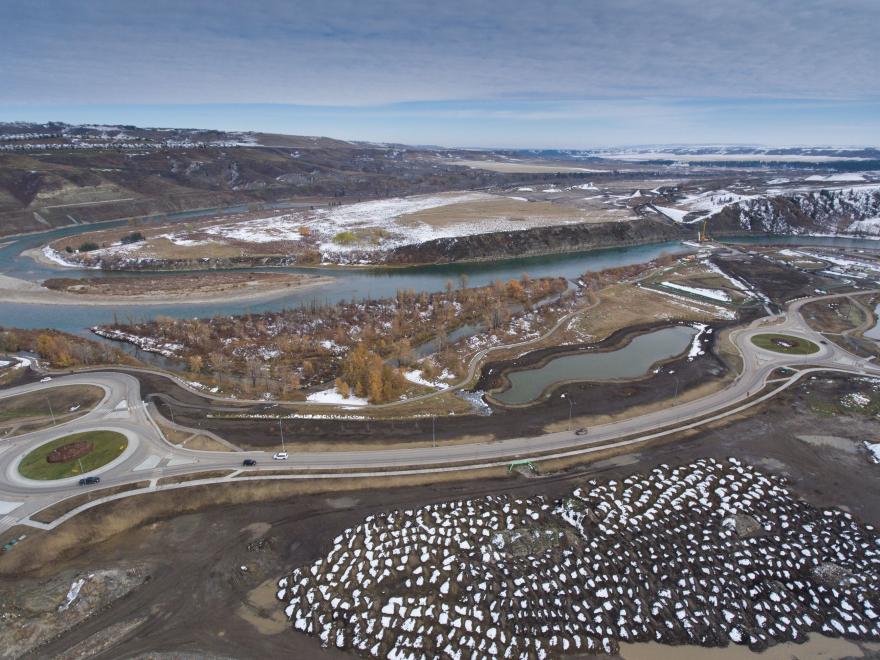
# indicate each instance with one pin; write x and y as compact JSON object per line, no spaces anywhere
{"x":349,"y":284}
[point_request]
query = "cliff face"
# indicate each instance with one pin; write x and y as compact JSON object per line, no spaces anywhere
{"x":539,"y":241}
{"x":848,"y":212}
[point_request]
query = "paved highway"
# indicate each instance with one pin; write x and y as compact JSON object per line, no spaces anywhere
{"x":149,"y":457}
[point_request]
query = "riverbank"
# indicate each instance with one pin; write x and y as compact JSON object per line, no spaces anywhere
{"x":190,"y":289}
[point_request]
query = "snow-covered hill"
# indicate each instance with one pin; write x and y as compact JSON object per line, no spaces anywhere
{"x":852,"y":211}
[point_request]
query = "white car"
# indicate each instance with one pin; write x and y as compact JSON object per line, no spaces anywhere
{"x":280,"y":456}
{"x":46,"y":379}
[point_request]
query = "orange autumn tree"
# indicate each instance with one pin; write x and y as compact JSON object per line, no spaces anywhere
{"x":365,"y":374}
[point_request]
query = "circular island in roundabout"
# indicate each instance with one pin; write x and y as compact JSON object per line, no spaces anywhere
{"x":787,"y":344}
{"x":72,"y":455}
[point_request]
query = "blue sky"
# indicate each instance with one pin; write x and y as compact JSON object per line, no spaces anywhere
{"x":572,"y":73}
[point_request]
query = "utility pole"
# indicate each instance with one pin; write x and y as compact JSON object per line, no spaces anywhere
{"x":675,"y":397}
{"x":51,"y":412}
{"x":570,"y":408}
{"x":281,"y":428}
{"x":81,"y":470}
{"x":171,"y":410}
{"x":433,"y":432}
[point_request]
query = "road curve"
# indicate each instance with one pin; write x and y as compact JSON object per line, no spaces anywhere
{"x":151,"y":457}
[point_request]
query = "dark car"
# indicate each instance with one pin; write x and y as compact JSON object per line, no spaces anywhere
{"x":582,"y":431}
{"x":89,"y":481}
{"x":249,"y":462}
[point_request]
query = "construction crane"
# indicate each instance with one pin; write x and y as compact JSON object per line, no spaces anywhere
{"x":704,"y":231}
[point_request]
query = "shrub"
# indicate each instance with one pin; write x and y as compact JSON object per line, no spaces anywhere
{"x":88,"y":246}
{"x":133,"y":237}
{"x":68,"y":249}
{"x":345,"y":238}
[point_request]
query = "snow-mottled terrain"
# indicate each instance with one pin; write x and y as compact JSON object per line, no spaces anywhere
{"x":713,"y":294}
{"x":709,"y":553}
{"x":333,"y":396}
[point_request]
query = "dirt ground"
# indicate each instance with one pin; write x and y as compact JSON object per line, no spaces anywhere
{"x":200,"y":601}
{"x":779,"y":283}
{"x":621,"y":306}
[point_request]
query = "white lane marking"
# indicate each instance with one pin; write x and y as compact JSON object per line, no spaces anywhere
{"x":8,"y":507}
{"x":148,"y":463}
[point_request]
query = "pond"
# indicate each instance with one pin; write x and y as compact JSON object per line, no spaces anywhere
{"x":630,"y":361}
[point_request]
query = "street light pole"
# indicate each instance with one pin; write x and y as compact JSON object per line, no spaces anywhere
{"x":51,"y":412}
{"x":570,"y":408}
{"x":281,"y":428}
{"x":433,"y":432}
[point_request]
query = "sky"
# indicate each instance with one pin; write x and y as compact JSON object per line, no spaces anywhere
{"x":479,"y":73}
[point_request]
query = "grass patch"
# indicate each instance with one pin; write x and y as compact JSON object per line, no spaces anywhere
{"x":33,"y":408}
{"x":785,"y":344}
{"x":107,"y":445}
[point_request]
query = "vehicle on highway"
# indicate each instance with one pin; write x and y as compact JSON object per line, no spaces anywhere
{"x":46,"y":379}
{"x":74,"y":407}
{"x":249,"y":462}
{"x":280,"y":456}
{"x":582,"y":431}
{"x":89,"y":481}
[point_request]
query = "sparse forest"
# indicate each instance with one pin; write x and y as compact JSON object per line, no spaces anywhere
{"x":362,"y":344}
{"x":62,"y":350}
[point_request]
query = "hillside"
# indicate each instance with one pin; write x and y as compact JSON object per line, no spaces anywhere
{"x":55,"y":175}
{"x":852,"y":211}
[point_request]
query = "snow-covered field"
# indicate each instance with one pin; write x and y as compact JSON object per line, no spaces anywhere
{"x":335,"y":397}
{"x":352,"y":232}
{"x":416,"y":377}
{"x":709,"y":553}
{"x":713,"y":294}
{"x":706,"y":204}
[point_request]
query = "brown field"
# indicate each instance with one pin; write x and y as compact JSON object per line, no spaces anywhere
{"x":57,"y":510}
{"x":841,"y":315}
{"x":195,"y":476}
{"x":532,"y":214}
{"x":626,"y":305}
{"x":30,"y":412}
{"x":172,"y":285}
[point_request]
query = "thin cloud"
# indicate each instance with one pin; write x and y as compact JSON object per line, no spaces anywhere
{"x":353,"y":53}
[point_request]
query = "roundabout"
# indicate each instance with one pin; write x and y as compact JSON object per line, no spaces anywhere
{"x":72,"y":455}
{"x":55,"y":464}
{"x":786,"y":344}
